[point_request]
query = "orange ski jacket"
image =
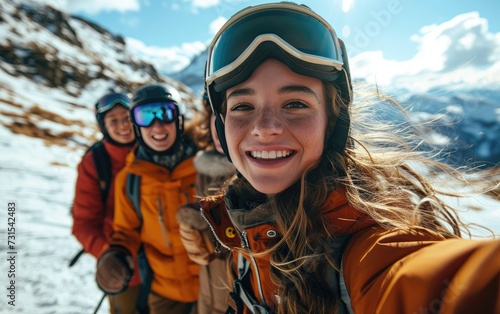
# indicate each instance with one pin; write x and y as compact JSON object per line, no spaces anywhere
{"x":385,"y":271}
{"x":162,"y":191}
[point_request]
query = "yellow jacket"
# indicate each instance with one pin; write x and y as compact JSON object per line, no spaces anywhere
{"x":162,"y":191}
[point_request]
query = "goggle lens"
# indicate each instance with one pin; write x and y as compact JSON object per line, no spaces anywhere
{"x":144,"y":115}
{"x":109,"y":101}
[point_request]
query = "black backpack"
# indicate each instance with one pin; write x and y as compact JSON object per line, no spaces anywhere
{"x":102,"y":163}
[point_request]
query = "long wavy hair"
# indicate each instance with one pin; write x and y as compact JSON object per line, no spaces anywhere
{"x":389,"y":173}
{"x":201,"y":122}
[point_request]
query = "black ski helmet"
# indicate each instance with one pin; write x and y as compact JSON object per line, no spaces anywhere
{"x":108,"y":102}
{"x":156,"y":93}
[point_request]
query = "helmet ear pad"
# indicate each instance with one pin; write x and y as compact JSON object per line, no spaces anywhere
{"x":180,"y":125}
{"x":219,"y":127}
{"x":100,"y":122}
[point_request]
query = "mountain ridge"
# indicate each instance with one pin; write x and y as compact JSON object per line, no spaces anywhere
{"x":65,"y":63}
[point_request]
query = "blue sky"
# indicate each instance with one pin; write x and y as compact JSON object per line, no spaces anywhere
{"x":396,"y":33}
{"x":374,"y":25}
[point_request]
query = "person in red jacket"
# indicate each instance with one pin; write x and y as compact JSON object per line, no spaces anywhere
{"x":93,"y":216}
{"x":332,"y":211}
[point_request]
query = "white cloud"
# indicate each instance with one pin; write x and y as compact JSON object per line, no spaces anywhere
{"x":217,"y":24}
{"x":166,"y":60}
{"x":93,"y":6}
{"x":459,"y":51}
{"x":203,"y":4}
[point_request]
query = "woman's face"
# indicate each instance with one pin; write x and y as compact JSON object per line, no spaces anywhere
{"x":159,"y":136}
{"x":275,"y":126}
{"x":118,"y":125}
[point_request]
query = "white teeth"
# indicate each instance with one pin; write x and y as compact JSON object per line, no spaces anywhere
{"x":271,"y":154}
{"x":160,"y":137}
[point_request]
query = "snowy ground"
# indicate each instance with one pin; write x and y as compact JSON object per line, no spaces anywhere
{"x":43,"y":193}
{"x":40,"y":180}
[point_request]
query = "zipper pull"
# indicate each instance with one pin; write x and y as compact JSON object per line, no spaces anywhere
{"x":244,"y":240}
{"x":162,"y":224}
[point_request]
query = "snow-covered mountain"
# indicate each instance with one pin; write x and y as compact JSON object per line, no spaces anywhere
{"x":466,"y":121}
{"x":192,"y":75}
{"x":53,"y":67}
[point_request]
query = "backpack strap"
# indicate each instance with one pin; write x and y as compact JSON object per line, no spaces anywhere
{"x":102,"y":163}
{"x":336,"y":278}
{"x":133,"y":190}
{"x":240,"y":297}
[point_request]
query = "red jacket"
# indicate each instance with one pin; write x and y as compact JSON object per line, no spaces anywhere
{"x":385,"y":271}
{"x":93,"y":220}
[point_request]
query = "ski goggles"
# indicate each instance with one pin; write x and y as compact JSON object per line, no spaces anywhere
{"x":292,"y":33}
{"x":107,"y":102}
{"x":144,"y":115}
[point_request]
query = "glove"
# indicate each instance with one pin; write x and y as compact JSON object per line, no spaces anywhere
{"x":115,"y":268}
{"x":192,"y":228}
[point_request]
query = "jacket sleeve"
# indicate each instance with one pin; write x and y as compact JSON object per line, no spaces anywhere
{"x":88,"y":210}
{"x":418,"y":271}
{"x":126,"y":223}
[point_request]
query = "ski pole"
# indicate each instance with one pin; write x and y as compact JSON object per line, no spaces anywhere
{"x":100,"y":302}
{"x":75,"y":259}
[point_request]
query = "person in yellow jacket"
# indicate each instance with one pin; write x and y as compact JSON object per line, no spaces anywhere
{"x":158,"y":178}
{"x":328,"y":216}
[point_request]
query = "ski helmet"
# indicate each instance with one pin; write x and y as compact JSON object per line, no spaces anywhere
{"x":153,"y":93}
{"x":289,"y":32}
{"x":108,"y":102}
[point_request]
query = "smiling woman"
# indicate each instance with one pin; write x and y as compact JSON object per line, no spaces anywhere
{"x":332,"y":211}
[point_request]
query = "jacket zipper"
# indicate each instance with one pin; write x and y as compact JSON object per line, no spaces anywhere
{"x":219,"y":242}
{"x":162,"y":224}
{"x":245,"y":244}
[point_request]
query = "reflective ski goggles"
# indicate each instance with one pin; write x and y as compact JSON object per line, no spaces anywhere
{"x":144,"y":115}
{"x":292,"y":33}
{"x":108,"y":101}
